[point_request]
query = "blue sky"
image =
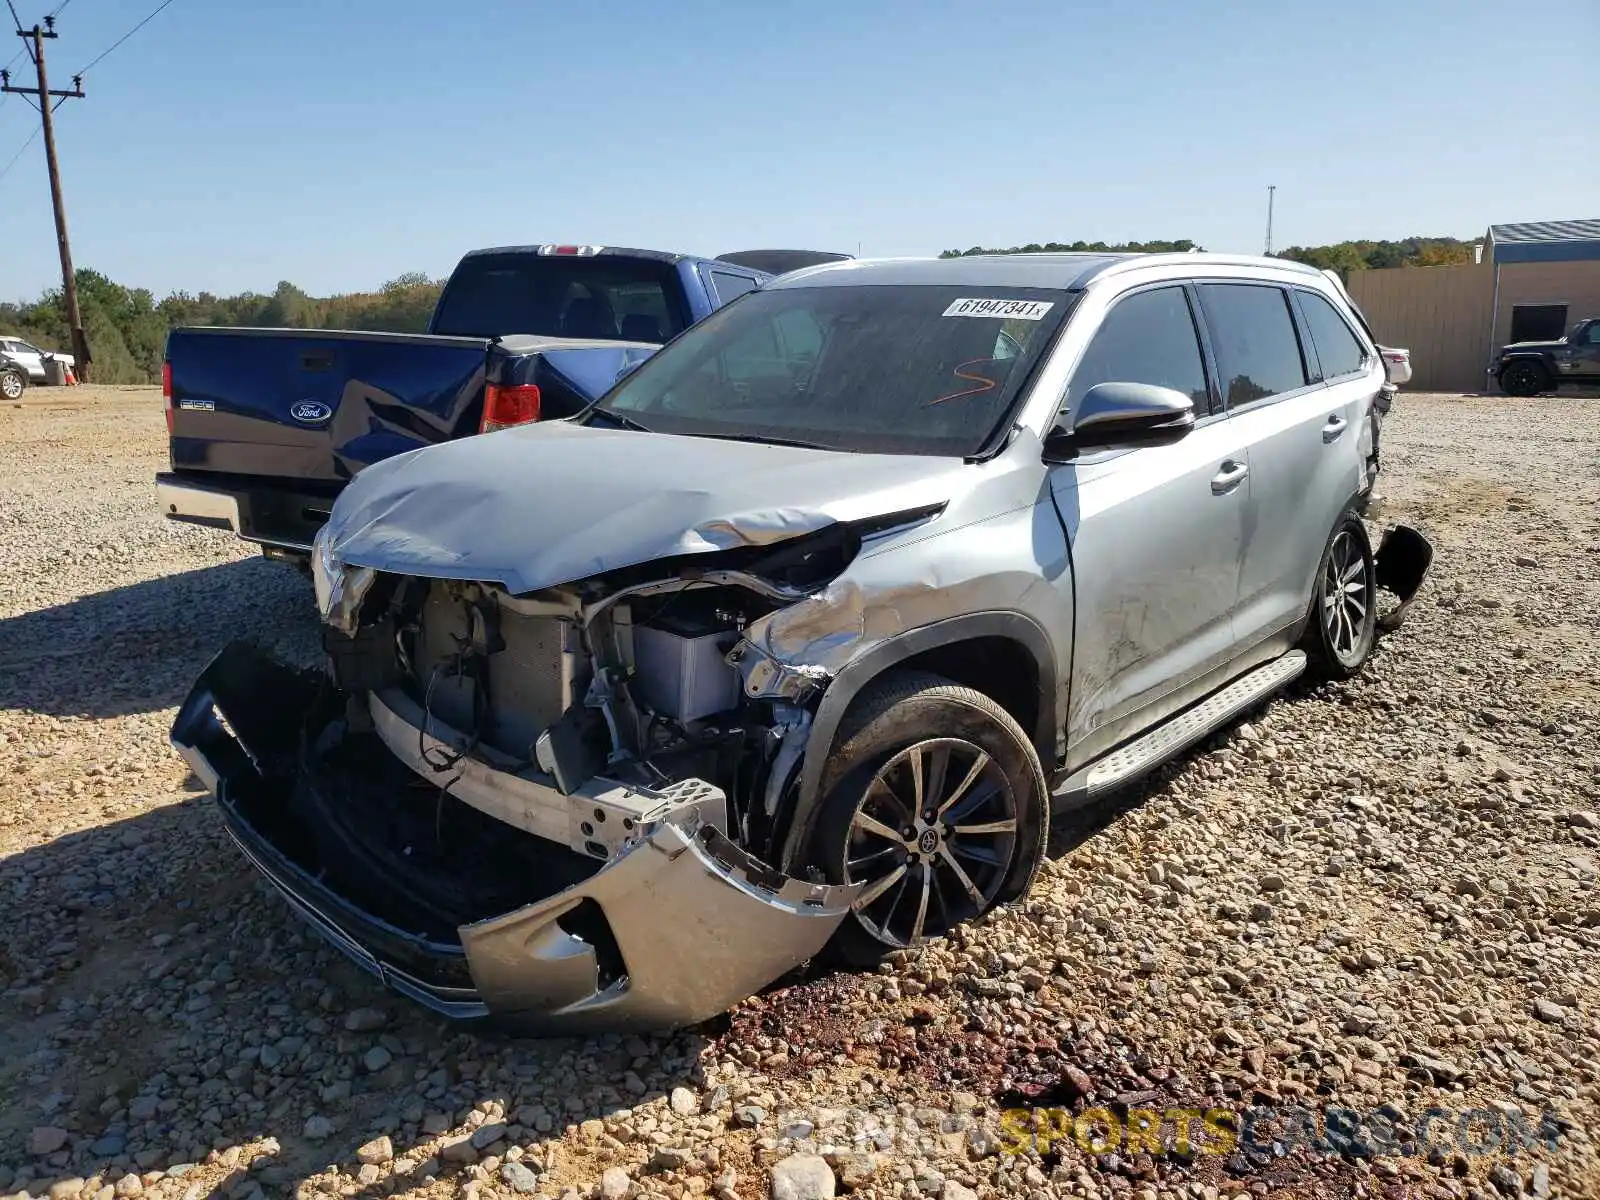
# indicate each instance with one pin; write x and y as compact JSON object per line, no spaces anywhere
{"x":338,"y":143}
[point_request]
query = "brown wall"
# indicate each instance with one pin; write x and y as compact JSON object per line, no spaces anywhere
{"x":1575,"y":284}
{"x":1440,"y":314}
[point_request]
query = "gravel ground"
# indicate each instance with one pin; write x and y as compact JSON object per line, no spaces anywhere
{"x":1379,"y":896}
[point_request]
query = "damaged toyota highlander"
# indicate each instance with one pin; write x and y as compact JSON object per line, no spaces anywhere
{"x":794,"y":641}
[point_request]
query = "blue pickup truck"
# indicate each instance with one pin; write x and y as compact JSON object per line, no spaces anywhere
{"x":268,"y":425}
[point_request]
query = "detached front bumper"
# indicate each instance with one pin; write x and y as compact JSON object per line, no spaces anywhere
{"x":677,"y":926}
{"x":1401,"y":563}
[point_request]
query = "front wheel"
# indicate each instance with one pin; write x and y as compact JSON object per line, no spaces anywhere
{"x":12,"y":383}
{"x":1344,"y":607}
{"x":934,"y":801}
{"x":1524,"y":378}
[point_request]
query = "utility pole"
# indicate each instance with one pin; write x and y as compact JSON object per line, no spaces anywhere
{"x":69,"y":283}
{"x":1271,"y":189}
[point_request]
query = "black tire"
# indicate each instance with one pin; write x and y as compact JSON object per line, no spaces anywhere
{"x":1343,"y":618}
{"x":1525,"y":377}
{"x":913,"y":730}
{"x":13,"y":382}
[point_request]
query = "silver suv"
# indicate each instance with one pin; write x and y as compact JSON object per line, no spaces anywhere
{"x":800,"y":635}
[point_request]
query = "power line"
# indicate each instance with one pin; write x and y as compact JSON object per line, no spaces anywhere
{"x":31,"y":139}
{"x":19,"y":53}
{"x":125,"y":36}
{"x":17,"y":21}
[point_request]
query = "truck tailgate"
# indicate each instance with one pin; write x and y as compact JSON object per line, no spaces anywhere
{"x":315,"y":405}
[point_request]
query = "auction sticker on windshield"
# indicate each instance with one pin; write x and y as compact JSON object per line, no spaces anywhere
{"x":1017,"y":310}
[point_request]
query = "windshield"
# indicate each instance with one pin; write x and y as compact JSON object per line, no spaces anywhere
{"x":895,"y":369}
{"x":491,"y":295}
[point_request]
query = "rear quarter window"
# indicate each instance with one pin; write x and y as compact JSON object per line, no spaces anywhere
{"x":1338,"y":350}
{"x":730,"y":286}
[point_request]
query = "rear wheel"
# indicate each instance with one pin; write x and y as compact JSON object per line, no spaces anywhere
{"x":1524,"y":378}
{"x":12,"y":383}
{"x":935,"y":802}
{"x":1344,"y":610}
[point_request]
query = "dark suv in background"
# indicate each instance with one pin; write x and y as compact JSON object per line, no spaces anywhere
{"x":1528,"y":368}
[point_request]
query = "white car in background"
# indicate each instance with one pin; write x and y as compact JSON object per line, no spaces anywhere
{"x":32,"y":359}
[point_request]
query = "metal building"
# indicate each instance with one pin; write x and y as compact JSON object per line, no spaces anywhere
{"x":1533,"y":280}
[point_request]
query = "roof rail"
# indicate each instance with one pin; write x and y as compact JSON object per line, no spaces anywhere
{"x":1192,"y":259}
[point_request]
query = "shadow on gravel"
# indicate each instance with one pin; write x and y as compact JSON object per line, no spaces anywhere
{"x":137,"y":648}
{"x":1072,"y":829}
{"x":159,"y":1003}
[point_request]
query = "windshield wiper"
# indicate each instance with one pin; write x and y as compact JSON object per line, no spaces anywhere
{"x":764,"y":440}
{"x":622,"y":421}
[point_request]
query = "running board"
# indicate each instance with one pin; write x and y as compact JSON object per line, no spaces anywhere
{"x":1139,"y":757}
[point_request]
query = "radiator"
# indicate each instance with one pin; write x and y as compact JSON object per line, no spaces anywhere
{"x":527,"y":686}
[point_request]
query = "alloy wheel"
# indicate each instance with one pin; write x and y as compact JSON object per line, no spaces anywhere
{"x":10,"y":385}
{"x":1346,"y":596}
{"x":1523,"y":379}
{"x":932,"y":839}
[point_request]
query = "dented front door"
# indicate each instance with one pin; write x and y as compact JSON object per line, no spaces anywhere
{"x":1155,"y":532}
{"x":1156,"y":535}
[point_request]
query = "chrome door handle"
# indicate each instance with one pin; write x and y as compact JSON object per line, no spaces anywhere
{"x":1334,"y":427}
{"x":1230,"y":477}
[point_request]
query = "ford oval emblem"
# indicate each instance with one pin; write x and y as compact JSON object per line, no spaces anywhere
{"x":310,"y":412}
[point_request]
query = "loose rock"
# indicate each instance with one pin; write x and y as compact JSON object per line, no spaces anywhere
{"x":802,"y":1177}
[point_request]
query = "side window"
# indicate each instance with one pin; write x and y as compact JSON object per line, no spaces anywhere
{"x":730,"y":287}
{"x":1337,"y":348}
{"x":742,"y":372}
{"x":1591,"y":336}
{"x":1148,"y":337}
{"x":1258,"y":351}
{"x":800,"y":334}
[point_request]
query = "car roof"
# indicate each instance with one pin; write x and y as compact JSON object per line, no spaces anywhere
{"x":1063,"y":272}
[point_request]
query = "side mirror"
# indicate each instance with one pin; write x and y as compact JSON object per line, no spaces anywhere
{"x":1126,"y":414}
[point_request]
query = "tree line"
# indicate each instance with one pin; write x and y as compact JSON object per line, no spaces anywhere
{"x":127,"y":327}
{"x":1341,"y":256}
{"x":1182,"y":246}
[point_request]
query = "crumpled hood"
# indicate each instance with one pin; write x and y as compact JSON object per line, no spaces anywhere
{"x":1551,"y":344}
{"x":554,"y":503}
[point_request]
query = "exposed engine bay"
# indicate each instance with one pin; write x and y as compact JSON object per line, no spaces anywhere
{"x":583,"y":712}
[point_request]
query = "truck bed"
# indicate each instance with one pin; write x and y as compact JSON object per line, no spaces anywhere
{"x":268,"y":425}
{"x":315,"y":404}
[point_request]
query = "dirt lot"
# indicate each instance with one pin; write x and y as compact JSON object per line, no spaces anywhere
{"x":1378,"y":897}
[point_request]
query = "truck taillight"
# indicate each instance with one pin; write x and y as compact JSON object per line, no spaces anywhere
{"x":166,"y":393}
{"x":507,"y":406}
